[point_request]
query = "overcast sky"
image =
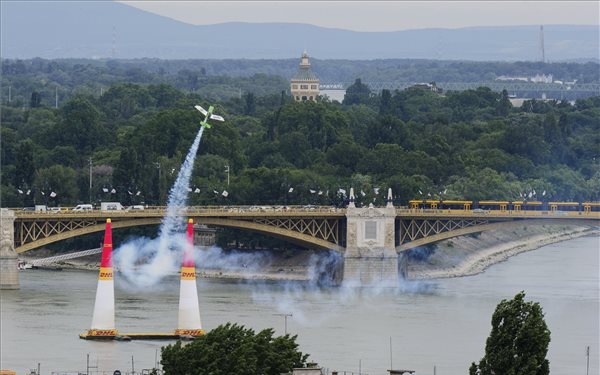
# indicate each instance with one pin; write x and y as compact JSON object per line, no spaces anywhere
{"x":380,"y":15}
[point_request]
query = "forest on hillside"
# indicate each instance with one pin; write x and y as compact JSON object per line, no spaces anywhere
{"x":130,"y":142}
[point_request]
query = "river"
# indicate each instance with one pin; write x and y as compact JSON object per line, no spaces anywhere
{"x":439,"y":323}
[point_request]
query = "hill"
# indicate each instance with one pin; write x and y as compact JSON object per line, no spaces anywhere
{"x":107,"y":29}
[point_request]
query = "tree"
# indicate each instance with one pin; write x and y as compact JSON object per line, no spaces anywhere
{"x":233,"y":349}
{"x":518,"y":342}
{"x":59,"y":180}
{"x":25,"y":164}
{"x":249,"y":104}
{"x":36,"y":99}
{"x":357,"y":93}
{"x":503,"y":106}
{"x":79,"y":127}
{"x":385,"y":105}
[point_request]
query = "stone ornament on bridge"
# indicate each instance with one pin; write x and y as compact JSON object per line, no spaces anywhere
{"x":370,"y":257}
{"x":9,"y":278}
{"x":7,"y":232}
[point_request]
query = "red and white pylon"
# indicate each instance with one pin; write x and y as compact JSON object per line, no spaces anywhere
{"x":103,"y":320}
{"x":189,"y":311}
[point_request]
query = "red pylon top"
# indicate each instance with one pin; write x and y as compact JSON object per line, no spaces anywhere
{"x":188,"y":253}
{"x":107,"y":246}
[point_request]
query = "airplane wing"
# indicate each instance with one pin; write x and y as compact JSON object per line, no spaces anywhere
{"x":204,"y":112}
{"x":217,"y":117}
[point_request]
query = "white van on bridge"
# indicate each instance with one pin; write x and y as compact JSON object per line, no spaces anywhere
{"x":83,"y":207}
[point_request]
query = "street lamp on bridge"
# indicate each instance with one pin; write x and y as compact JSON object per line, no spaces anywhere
{"x":285,"y":316}
{"x":90,"y":163}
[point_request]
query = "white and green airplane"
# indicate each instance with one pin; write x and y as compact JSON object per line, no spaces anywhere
{"x":208,"y":115}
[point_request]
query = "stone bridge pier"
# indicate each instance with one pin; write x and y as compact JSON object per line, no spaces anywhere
{"x":370,"y":258}
{"x":9,"y":276}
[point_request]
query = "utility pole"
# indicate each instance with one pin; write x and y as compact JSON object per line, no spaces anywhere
{"x":90,"y":179}
{"x":285,"y":316}
{"x":88,"y":365}
{"x":114,"y":42}
{"x":227,"y":171}
{"x":391,"y":363}
{"x":542,"y":43}
{"x":157,"y":164}
{"x":587,"y":354}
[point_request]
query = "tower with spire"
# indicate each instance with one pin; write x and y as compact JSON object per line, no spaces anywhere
{"x":305,"y":84}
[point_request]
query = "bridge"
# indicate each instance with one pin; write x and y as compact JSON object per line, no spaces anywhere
{"x":368,"y":235}
{"x":60,"y":258}
{"x":553,"y":90}
{"x":312,"y":227}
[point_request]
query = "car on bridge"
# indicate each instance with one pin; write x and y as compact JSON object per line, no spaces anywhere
{"x":83,"y":207}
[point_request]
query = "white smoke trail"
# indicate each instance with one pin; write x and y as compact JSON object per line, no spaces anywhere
{"x":238,"y":261}
{"x":178,"y":195}
{"x":323,"y":288}
{"x":144,"y":262}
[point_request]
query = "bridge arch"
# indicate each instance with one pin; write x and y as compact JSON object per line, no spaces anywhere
{"x":98,"y":227}
{"x":490,"y":226}
{"x":292,"y":236}
{"x":286,"y":234}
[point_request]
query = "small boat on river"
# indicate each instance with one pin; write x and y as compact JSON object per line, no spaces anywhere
{"x":23,"y":265}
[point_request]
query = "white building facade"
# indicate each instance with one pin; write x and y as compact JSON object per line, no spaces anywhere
{"x":305,"y":84}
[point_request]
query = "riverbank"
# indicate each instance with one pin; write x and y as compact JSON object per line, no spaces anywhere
{"x":470,"y":255}
{"x":456,"y":257}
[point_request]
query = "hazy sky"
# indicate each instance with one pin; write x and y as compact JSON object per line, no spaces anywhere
{"x":380,"y":15}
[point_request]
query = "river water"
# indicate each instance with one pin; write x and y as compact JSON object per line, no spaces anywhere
{"x":422,"y":325}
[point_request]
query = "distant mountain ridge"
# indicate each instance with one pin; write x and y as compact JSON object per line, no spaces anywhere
{"x":107,"y":29}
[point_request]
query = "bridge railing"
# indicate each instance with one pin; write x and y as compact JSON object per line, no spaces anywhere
{"x":187,"y":210}
{"x":511,"y":86}
{"x":306,"y":210}
{"x":497,"y":213}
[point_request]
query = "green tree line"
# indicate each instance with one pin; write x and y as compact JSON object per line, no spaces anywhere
{"x":46,"y":82}
{"x":132,"y":139}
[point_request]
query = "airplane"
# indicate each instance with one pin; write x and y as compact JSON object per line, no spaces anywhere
{"x":208,"y":115}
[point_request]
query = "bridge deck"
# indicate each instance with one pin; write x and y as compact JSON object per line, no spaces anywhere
{"x":319,"y":227}
{"x":498,"y":214}
{"x":293,"y":211}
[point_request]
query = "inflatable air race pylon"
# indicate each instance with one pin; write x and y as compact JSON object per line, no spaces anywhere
{"x":189,"y":312}
{"x":103,"y":320}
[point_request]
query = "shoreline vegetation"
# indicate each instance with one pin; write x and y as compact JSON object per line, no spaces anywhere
{"x":457,"y":257}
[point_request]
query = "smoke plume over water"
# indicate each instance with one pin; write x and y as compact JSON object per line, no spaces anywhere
{"x":145,"y":262}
